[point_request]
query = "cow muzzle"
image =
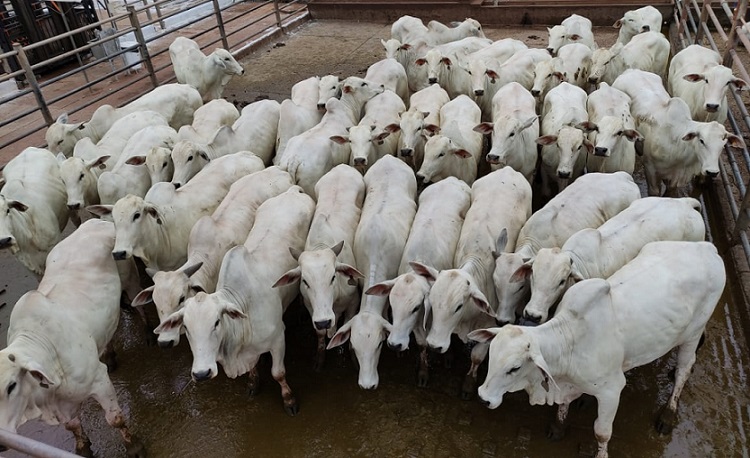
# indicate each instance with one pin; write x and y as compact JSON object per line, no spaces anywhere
{"x":406,"y":152}
{"x":712,"y":174}
{"x":551,"y":52}
{"x":396,"y":346}
{"x":202,"y":375}
{"x":646,"y":28}
{"x":601,"y":151}
{"x":432,"y":80}
{"x":166,"y":343}
{"x":176,"y":185}
{"x":7,"y":242}
{"x":120,"y":255}
{"x":593,"y":80}
{"x":438,"y":349}
{"x":321,"y":325}
{"x":563,"y":175}
{"x":479,"y":92}
{"x":322,"y":106}
{"x":485,"y":402}
{"x":360,"y":162}
{"x":493,"y":159}
{"x":530,"y":320}
{"x":74,"y":207}
{"x":536,"y":92}
{"x":712,"y":107}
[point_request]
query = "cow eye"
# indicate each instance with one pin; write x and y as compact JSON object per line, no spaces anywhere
{"x":415,"y":310}
{"x":364,"y":84}
{"x":515,"y":369}
{"x":11,"y":387}
{"x":702,"y":142}
{"x":441,"y":155}
{"x":562,"y":282}
{"x":164,"y":165}
{"x":190,"y":158}
{"x":304,"y":282}
{"x":182,"y":299}
{"x":333,"y":279}
{"x":80,"y":177}
{"x":459,"y":307}
{"x":136,"y":216}
{"x":216,"y":325}
{"x":60,"y":142}
{"x":334,"y":88}
{"x":511,"y":134}
{"x":380,"y":345}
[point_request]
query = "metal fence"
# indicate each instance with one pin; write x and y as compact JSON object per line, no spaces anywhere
{"x":135,"y":38}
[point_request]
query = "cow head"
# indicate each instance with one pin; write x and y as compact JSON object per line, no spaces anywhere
{"x":515,"y":364}
{"x":329,"y":87}
{"x":600,"y":61}
{"x":61,"y":137}
{"x":159,"y":163}
{"x":80,"y":178}
{"x":358,"y":91}
{"x":551,"y":272}
{"x":406,"y":295}
{"x":21,"y":379}
{"x":414,"y":132}
{"x":366,"y":331}
{"x":571,"y":142}
{"x":14,"y":224}
{"x":441,"y":158}
{"x":135,"y":221}
{"x":546,"y":76}
{"x":189,"y":158}
{"x":707,"y":140}
{"x":364,"y":141}
{"x":511,"y":289}
{"x":223,"y":59}
{"x":610,"y":132}
{"x":715,"y":82}
{"x":318,"y":273}
{"x":452,"y":298}
{"x":507,"y":136}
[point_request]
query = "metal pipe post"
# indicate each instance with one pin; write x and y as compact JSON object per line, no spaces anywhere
{"x":278,"y":14}
{"x":220,"y":23}
{"x":142,"y":44}
{"x":26,"y":66}
{"x":739,"y":12}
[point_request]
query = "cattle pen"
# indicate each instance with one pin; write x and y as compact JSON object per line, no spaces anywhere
{"x":177,"y":417}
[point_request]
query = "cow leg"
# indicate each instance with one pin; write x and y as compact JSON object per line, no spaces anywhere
{"x":83,"y":444}
{"x":423,"y":374}
{"x":253,"y":383}
{"x":478,"y":353}
{"x":105,"y":395}
{"x":556,"y":429}
{"x":608,"y":402}
{"x":320,"y":354}
{"x":685,"y":360}
{"x":652,"y":180}
{"x":110,"y":358}
{"x":278,"y":370}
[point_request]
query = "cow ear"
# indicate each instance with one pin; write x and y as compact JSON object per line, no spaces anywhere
{"x":632,"y":135}
{"x":560,"y":76}
{"x":528,"y":123}
{"x":150,"y":271}
{"x":484,"y":128}
{"x":387,"y":327}
{"x":98,"y":162}
{"x":483,"y":335}
{"x":587,"y":126}
{"x":405,"y":47}
{"x":173,"y":321}
{"x":339,"y":139}
{"x":233,"y":312}
{"x":740,"y":84}
{"x":62,"y":119}
{"x":617,"y":24}
{"x":432,"y":129}
{"x":204,"y":156}
{"x":492,"y":74}
{"x":18,"y":206}
{"x":502,"y":242}
{"x":462,"y":153}
{"x":151,"y":211}
{"x":60,"y":158}
{"x":523,"y":272}
{"x":381,"y":289}
{"x":289,"y":277}
{"x":380,"y":137}
{"x":197,"y":289}
{"x":382,"y":42}
{"x":480,"y":300}
{"x":735,"y":141}
{"x":690,"y":136}
{"x":575,"y":274}
{"x":420,"y":62}
{"x":100,"y":210}
{"x":393,"y":128}
{"x":40,"y":375}
{"x":136,"y":160}
{"x":143,"y":298}
{"x":295,"y":253}
{"x":423,"y":270}
{"x":427,"y":309}
{"x":546,"y":139}
{"x":693,"y":77}
{"x":588,"y":145}
{"x":575,"y":37}
{"x":190,"y":270}
{"x":341,"y":336}
{"x":538,"y":359}
{"x":350,"y":272}
{"x":447,"y":62}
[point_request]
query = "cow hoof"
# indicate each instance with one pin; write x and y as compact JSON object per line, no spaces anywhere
{"x":667,"y":421}
{"x":423,"y":378}
{"x":469,"y":388}
{"x":291,"y":407}
{"x":135,"y":449}
{"x":556,"y":431}
{"x":85,"y":450}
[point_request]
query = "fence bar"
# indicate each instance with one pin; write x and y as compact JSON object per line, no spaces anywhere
{"x":24,"y":61}
{"x":278,"y":14}
{"x":739,"y":12}
{"x":72,"y":32}
{"x":142,"y":45}
{"x":32,"y":447}
{"x":220,"y":23}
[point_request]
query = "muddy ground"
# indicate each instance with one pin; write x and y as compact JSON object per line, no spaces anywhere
{"x":178,"y":418}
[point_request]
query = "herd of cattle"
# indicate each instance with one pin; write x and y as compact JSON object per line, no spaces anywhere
{"x":235,"y":214}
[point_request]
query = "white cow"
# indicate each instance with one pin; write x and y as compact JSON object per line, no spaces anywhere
{"x":312,"y":154}
{"x":379,"y":241}
{"x":432,"y":241}
{"x":175,"y":102}
{"x":707,"y":99}
{"x":518,"y":68}
{"x":210,"y":238}
{"x":648,"y":51}
{"x":127,"y":178}
{"x":329,"y":87}
{"x":462,"y":298}
{"x":438,"y":33}
{"x":158,"y":162}
{"x":208,"y":119}
{"x":564,"y":145}
{"x":407,"y":28}
{"x":457,"y":149}
{"x":572,"y":64}
{"x":514,"y":129}
{"x":422,"y":120}
{"x":370,"y":140}
{"x":298,"y":114}
{"x":573,"y":29}
{"x":208,"y":74}
{"x":80,"y":176}
{"x":56,"y":336}
{"x":614,"y":134}
{"x":326,"y":274}
{"x":600,"y":252}
{"x":242,"y":320}
{"x":406,"y":54}
{"x":603,"y":328}
{"x":391,"y":74}
{"x":638,"y":21}
{"x":157,"y":228}
{"x":33,"y":209}
{"x":587,"y":203}
{"x":442,"y":64}
{"x":675,"y":148}
{"x":479,"y":62}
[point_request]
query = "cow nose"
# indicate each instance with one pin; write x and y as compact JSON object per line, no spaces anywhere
{"x":438,"y":349}
{"x":478,"y":92}
{"x":563,"y":175}
{"x":531,"y":320}
{"x":712,"y":107}
{"x":177,"y":185}
{"x":74,"y":207}
{"x":432,"y":80}
{"x":242,"y":72}
{"x":320,"y":325}
{"x":321,"y":106}
{"x":646,"y":28}
{"x":166,"y":343}
{"x":593,"y":80}
{"x":369,"y":387}
{"x":600,"y":151}
{"x":202,"y":375}
{"x":551,"y":51}
{"x":396,"y":347}
{"x":535,"y":92}
{"x":501,"y":323}
{"x":422,"y":179}
{"x":493,"y":158}
{"x":712,"y":174}
{"x":119,"y":255}
{"x":360,"y":162}
{"x":484,"y":402}
{"x":407,"y":152}
{"x":6,"y":242}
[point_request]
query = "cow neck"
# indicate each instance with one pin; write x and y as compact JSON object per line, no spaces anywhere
{"x":580,"y":265}
{"x":556,"y":339}
{"x":354,"y":106}
{"x":160,"y":243}
{"x":236,"y":334}
{"x":35,"y":346}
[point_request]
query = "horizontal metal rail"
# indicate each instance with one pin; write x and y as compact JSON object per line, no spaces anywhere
{"x":31,"y":447}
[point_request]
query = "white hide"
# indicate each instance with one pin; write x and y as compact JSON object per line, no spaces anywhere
{"x":391,"y":75}
{"x":613,"y":134}
{"x":638,"y":21}
{"x":648,"y":51}
{"x":573,"y":29}
{"x":208,"y":119}
{"x":206,"y":73}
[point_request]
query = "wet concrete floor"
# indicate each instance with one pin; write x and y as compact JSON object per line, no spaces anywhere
{"x":178,"y":418}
